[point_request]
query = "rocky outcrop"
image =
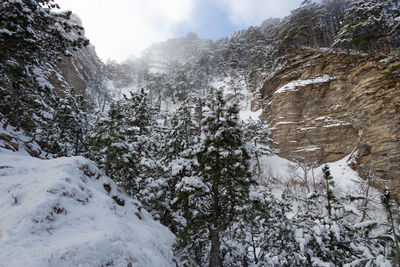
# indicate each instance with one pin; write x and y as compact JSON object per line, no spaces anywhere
{"x":78,"y":70}
{"x":17,"y":141}
{"x":324,"y":105}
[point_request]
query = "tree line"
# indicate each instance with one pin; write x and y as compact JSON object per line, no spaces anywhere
{"x":365,"y":25}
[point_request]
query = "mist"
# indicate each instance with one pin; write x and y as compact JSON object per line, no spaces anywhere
{"x":122,"y":28}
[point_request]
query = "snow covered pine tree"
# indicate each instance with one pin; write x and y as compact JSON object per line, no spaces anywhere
{"x":221,"y":185}
{"x":30,"y":33}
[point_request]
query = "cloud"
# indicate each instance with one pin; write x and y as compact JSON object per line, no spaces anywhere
{"x":253,"y":12}
{"x":119,"y":28}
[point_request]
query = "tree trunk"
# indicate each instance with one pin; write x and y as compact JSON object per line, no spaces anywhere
{"x":395,"y":238}
{"x":104,"y":102}
{"x":215,"y":245}
{"x":215,"y":224}
{"x":258,"y":162}
{"x":254,"y":247}
{"x":366,"y":201}
{"x":15,"y":105}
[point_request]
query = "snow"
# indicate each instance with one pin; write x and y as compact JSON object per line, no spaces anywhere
{"x":256,"y":195}
{"x":246,"y":115}
{"x":307,"y":149}
{"x":65,"y":212}
{"x":19,"y":137}
{"x":277,"y":171}
{"x":6,"y":31}
{"x":306,"y":128}
{"x":299,"y":237}
{"x":288,"y":122}
{"x":293,"y":85}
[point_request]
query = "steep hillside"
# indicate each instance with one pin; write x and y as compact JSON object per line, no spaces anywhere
{"x":324,"y":105}
{"x":65,"y":212}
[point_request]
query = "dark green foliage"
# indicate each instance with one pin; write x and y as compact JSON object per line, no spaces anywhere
{"x":146,"y":175}
{"x":125,"y":144}
{"x":215,"y":195}
{"x":31,"y":34}
{"x":109,"y":146}
{"x":394,"y":69}
{"x":329,"y":185}
{"x":389,"y":204}
{"x":369,"y":25}
{"x":70,"y":126}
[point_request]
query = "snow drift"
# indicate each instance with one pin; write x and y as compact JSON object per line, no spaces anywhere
{"x":65,"y":212}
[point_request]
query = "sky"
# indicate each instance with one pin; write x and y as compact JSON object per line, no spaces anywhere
{"x":122,"y":28}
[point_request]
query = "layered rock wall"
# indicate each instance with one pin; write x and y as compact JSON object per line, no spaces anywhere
{"x":324,"y":106}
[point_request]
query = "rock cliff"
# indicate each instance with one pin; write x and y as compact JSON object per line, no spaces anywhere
{"x":78,"y":70}
{"x":81,"y":70}
{"x":324,"y":105}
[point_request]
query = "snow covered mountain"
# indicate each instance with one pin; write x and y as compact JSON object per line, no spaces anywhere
{"x":296,"y":188}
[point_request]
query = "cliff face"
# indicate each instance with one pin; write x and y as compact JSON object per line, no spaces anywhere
{"x":324,"y":106}
{"x":78,"y":70}
{"x":81,"y":68}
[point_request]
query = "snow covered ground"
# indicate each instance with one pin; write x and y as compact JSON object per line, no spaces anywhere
{"x":65,"y":212}
{"x":347,"y":181}
{"x":20,"y":139}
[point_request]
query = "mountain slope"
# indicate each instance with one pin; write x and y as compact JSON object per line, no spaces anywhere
{"x":65,"y":212}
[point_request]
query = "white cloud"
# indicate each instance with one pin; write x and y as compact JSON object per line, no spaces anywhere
{"x":253,"y":12}
{"x":119,"y":28}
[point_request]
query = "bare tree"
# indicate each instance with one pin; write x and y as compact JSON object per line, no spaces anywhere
{"x":302,"y":169}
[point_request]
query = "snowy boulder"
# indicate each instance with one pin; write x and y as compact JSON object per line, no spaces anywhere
{"x":65,"y":212}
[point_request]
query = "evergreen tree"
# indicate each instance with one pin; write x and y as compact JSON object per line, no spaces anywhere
{"x":368,"y":26}
{"x":220,"y":188}
{"x":331,"y":236}
{"x":389,"y":205}
{"x":109,"y":145}
{"x":71,"y":125}
{"x":31,"y":33}
{"x":300,"y":28}
{"x":177,"y":157}
{"x":146,"y":174}
{"x":257,"y":134}
{"x":261,"y":233}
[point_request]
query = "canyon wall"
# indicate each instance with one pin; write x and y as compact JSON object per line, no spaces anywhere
{"x":323,"y":106}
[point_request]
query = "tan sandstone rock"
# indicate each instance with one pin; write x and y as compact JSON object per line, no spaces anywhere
{"x":326,"y":106}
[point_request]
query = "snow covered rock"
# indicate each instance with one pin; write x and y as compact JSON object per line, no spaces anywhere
{"x":65,"y":212}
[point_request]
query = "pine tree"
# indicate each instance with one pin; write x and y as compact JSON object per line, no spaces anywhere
{"x":177,"y":157}
{"x":220,"y":188}
{"x":31,"y":33}
{"x":389,"y":204}
{"x":145,"y":178}
{"x":300,"y":28}
{"x":367,"y":26}
{"x":109,"y":146}
{"x":257,"y":134}
{"x":334,"y":237}
{"x":71,"y":125}
{"x":261,"y":233}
